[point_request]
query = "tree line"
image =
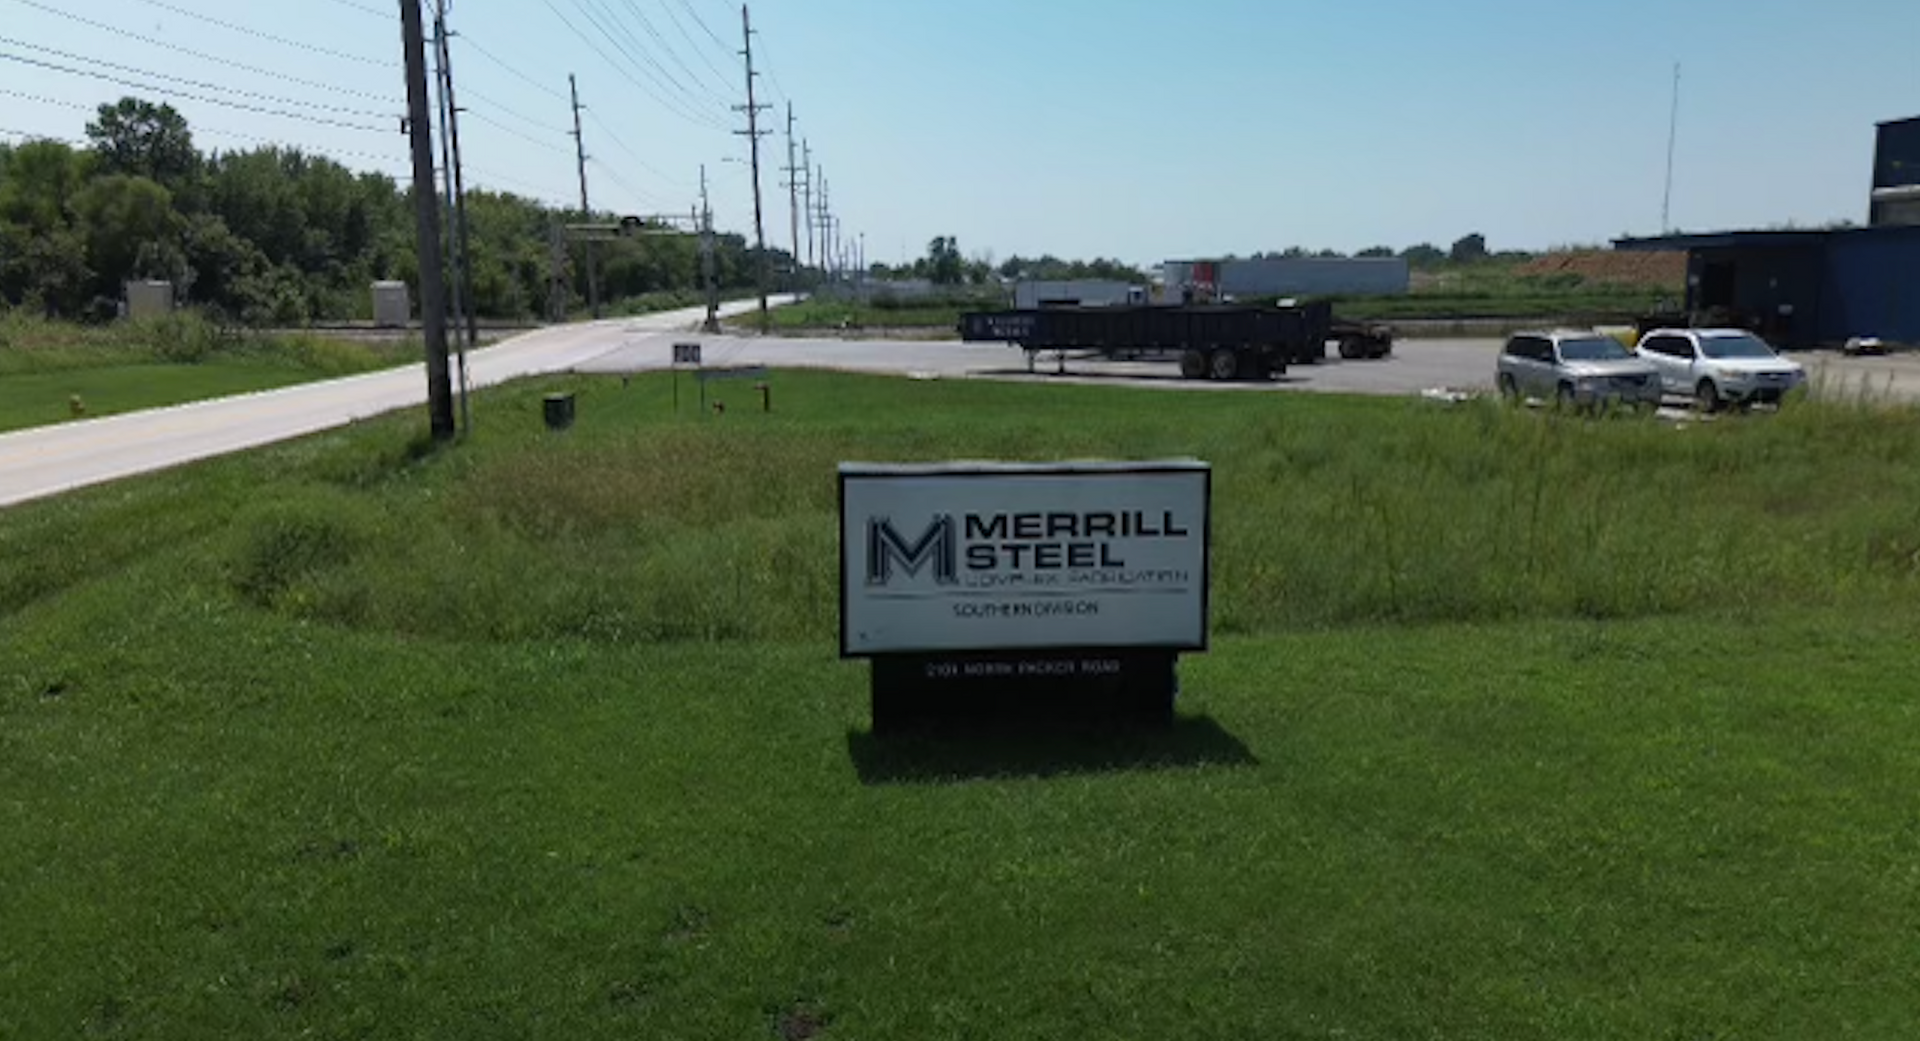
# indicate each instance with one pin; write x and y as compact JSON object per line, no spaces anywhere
{"x":277,"y":236}
{"x":944,"y":265}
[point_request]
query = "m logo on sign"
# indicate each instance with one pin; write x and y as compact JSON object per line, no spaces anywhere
{"x":937,"y":548}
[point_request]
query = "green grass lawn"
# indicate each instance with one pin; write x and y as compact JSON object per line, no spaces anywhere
{"x":1518,"y":726}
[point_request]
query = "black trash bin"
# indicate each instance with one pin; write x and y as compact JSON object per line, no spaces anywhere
{"x":559,"y":411}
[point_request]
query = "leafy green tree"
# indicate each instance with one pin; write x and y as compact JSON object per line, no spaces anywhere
{"x":1425,"y":254}
{"x":944,"y":264}
{"x":1375,"y":253}
{"x":41,"y":179}
{"x":1469,"y":249}
{"x":128,"y":223}
{"x":141,"y":139}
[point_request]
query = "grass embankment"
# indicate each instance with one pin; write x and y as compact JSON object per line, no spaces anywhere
{"x":1508,"y":289}
{"x":45,"y":366}
{"x":1520,"y":727}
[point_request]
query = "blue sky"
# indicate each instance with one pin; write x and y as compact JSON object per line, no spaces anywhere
{"x":1119,"y":128}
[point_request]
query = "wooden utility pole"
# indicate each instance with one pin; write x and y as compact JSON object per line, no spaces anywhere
{"x":705,"y":221}
{"x":793,"y":199}
{"x":754,"y":133}
{"x":558,"y":290}
{"x":457,"y":239}
{"x":586,"y":214}
{"x":806,"y":184}
{"x":433,"y":313}
{"x":826,"y":229}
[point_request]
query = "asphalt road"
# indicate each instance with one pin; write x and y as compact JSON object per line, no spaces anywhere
{"x":49,"y":460}
{"x":1415,"y":367}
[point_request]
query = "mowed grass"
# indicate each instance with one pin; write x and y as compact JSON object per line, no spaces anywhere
{"x":53,"y":372}
{"x":1520,"y":726}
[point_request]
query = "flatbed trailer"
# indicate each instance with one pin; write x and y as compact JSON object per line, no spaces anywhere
{"x":1212,"y":341}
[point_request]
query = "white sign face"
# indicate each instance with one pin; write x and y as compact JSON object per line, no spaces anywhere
{"x":967,"y":557}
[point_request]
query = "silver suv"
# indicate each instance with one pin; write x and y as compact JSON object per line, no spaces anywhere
{"x":1575,"y":368}
{"x":1717,"y":366}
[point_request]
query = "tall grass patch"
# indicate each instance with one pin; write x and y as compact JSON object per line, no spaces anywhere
{"x":643,"y":525}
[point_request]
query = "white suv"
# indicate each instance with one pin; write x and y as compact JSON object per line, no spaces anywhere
{"x":1720,"y":366}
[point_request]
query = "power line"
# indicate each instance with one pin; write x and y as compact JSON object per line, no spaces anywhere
{"x":537,"y":193}
{"x":196,"y":83}
{"x":489,"y":55}
{"x":168,"y":91}
{"x":637,"y":53}
{"x":672,"y":52}
{"x":469,"y":92}
{"x":647,"y":198}
{"x":698,"y":51}
{"x":673,"y":105}
{"x":32,"y":136}
{"x":705,"y":28}
{"x":637,"y":158}
{"x":199,"y":130}
{"x":505,"y":129}
{"x":761,"y":65}
{"x":382,"y":15}
{"x":210,"y":20}
{"x":203,"y":56}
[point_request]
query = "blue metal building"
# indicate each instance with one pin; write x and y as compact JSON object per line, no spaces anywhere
{"x":1813,"y":288}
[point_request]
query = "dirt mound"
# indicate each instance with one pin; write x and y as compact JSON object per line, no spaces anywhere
{"x":1633,"y":269}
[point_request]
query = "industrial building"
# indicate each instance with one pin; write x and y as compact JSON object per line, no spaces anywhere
{"x":1818,"y":288}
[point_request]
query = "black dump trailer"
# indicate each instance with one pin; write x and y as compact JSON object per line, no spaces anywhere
{"x":1212,"y":341}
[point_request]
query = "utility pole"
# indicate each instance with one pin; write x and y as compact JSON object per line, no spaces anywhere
{"x":753,"y":132}
{"x":586,"y":214}
{"x":826,"y":225}
{"x":557,"y":288}
{"x":793,"y":199}
{"x":433,"y":314}
{"x":705,"y":221}
{"x":806,"y":162}
{"x":463,"y":301}
{"x":1673,"y":136}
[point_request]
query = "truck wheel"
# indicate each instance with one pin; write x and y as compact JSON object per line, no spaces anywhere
{"x":1352,"y":348}
{"x":1193,"y":365}
{"x":1381,"y":348}
{"x":1224,"y":365}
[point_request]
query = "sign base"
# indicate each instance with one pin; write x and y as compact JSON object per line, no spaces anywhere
{"x":920,"y":692}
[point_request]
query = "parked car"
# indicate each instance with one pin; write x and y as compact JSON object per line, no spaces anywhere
{"x":1575,"y":368}
{"x":1717,"y":367}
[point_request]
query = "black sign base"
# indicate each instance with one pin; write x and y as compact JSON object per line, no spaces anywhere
{"x":921,"y":692}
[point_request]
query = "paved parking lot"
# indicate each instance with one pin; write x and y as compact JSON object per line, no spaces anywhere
{"x":1415,"y":367}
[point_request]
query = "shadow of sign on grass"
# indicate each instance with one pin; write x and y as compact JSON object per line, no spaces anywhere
{"x":1029,"y":748}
